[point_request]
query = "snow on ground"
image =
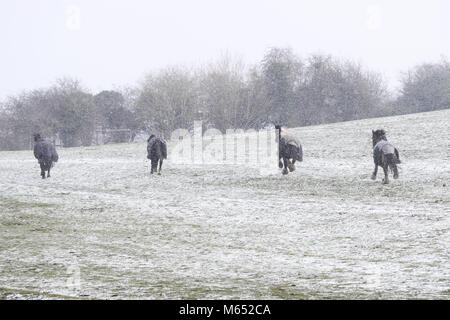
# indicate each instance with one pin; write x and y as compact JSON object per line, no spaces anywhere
{"x":325,"y":231}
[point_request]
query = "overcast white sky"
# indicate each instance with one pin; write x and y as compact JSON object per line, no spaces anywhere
{"x":114,"y":42}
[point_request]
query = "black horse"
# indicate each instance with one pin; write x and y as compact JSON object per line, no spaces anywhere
{"x":288,"y":148}
{"x":385,"y":155}
{"x":46,"y":154}
{"x":156,"y":152}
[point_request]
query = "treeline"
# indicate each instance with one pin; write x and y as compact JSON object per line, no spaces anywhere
{"x":283,"y":89}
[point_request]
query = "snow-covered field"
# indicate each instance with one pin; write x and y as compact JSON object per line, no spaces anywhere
{"x":102,"y":227}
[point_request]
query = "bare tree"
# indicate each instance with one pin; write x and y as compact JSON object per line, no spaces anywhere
{"x":282,"y":72}
{"x":425,"y":87}
{"x":74,"y":111}
{"x":225,"y":98}
{"x":167,"y":101}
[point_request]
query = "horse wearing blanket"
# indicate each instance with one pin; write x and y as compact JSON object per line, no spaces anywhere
{"x":46,"y":155}
{"x":289,"y":150}
{"x":156,"y":152}
{"x":385,"y":155}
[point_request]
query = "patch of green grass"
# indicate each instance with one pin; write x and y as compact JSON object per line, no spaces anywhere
{"x":23,"y":294}
{"x":16,"y":205}
{"x":289,"y":293}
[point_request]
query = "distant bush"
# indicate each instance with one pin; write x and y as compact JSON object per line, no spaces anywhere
{"x":65,"y":109}
{"x":426,"y":87}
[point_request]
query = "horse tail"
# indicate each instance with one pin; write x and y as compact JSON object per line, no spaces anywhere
{"x":300,"y":153}
{"x":55,"y":156}
{"x":392,"y":162}
{"x":164,"y":150}
{"x":397,"y":157}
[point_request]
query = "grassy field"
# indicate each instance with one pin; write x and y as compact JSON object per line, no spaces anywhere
{"x":103,"y":228}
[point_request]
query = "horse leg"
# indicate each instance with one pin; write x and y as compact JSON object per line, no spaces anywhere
{"x":41,"y":163}
{"x":291,"y":165}
{"x":49,"y":166}
{"x":395,"y":167}
{"x":153,"y":165}
{"x":375,"y":172}
{"x":293,"y":152}
{"x":395,"y":172}
{"x":386,"y":171}
{"x":386,"y":175}
{"x":160,"y":165}
{"x":385,"y":165}
{"x":280,"y":163}
{"x":285,"y":162}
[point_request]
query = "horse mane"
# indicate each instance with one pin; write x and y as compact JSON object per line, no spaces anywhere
{"x":380,"y":133}
{"x":151,"y":137}
{"x":37,"y":136}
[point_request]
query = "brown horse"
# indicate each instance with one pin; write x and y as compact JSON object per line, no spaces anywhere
{"x":385,"y":155}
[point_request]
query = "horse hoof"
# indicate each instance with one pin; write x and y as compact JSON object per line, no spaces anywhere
{"x":280,"y":165}
{"x":395,"y":176}
{"x":385,"y":181}
{"x":373,"y":177}
{"x":291,"y":168}
{"x":159,"y":173}
{"x":285,"y":172}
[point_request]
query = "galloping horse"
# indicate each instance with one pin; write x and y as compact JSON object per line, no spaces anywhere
{"x":45,"y":153}
{"x":289,"y":148}
{"x":156,"y":152}
{"x":385,"y":155}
